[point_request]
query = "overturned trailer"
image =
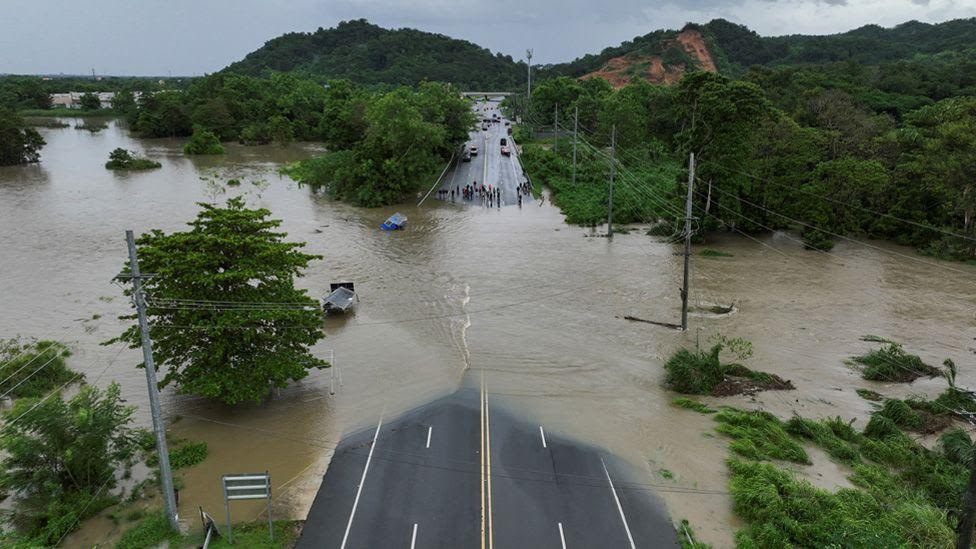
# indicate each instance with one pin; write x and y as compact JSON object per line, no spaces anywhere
{"x":342,"y":298}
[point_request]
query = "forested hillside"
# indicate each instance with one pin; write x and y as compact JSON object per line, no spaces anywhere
{"x":734,"y":48}
{"x":369,"y":54}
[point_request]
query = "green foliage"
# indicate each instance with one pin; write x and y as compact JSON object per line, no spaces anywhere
{"x":957,"y":447}
{"x":868,"y":394}
{"x":90,"y":102}
{"x":759,"y":435}
{"x":254,"y":535}
{"x":151,"y":531}
{"x":231,"y":354}
{"x":386,"y":146}
{"x":31,"y":368}
{"x":834,"y":435}
{"x":783,"y":511}
{"x":892,"y":363}
{"x":686,"y":537}
{"x":188,"y":454}
{"x":367,"y":54}
{"x":692,"y":404}
{"x":203,"y":142}
{"x":19,"y":144}
{"x":901,"y":414}
{"x":60,"y":458}
{"x":694,"y":372}
{"x":121,"y":159}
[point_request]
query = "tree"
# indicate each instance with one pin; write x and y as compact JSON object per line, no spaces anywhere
{"x":203,"y":142}
{"x":90,"y":102}
{"x":60,"y":458}
{"x":235,"y":353}
{"x":124,"y":102}
{"x":19,"y":144}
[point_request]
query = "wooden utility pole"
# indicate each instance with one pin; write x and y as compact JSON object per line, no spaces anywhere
{"x":688,"y":218}
{"x":165,"y":473}
{"x":613,"y":173}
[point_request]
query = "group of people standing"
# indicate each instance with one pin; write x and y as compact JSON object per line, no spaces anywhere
{"x":490,"y":196}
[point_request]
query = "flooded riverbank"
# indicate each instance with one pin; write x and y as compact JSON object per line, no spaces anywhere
{"x":512,"y":291}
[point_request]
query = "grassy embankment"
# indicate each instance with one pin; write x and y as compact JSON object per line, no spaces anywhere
{"x":153,"y":530}
{"x":904,"y":494}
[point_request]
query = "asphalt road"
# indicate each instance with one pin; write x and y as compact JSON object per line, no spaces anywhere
{"x":461,"y":473}
{"x":489,"y":166}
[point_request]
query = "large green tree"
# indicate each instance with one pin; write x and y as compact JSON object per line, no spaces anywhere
{"x":19,"y":144}
{"x":210,"y":333}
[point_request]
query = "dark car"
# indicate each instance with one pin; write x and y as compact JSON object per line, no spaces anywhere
{"x":504,"y":142}
{"x":466,"y":156}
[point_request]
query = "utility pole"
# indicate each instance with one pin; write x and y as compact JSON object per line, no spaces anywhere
{"x":555,"y":129}
{"x":575,"y":131}
{"x":528,"y":54}
{"x":613,"y":172}
{"x":165,"y":474}
{"x":688,"y":218}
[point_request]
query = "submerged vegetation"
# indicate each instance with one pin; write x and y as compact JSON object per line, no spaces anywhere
{"x":31,"y":368}
{"x":19,"y":143}
{"x":203,"y":142}
{"x":702,"y":372}
{"x":692,"y":404}
{"x":892,"y":363}
{"x":121,"y":159}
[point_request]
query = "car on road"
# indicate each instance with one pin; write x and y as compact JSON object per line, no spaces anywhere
{"x":504,"y":142}
{"x":473,"y":150}
{"x":466,"y":156}
{"x":506,"y":151}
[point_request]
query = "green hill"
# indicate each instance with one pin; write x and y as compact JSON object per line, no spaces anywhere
{"x":369,"y":54}
{"x":663,"y":55}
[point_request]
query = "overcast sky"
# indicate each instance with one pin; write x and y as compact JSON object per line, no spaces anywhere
{"x":188,"y":37}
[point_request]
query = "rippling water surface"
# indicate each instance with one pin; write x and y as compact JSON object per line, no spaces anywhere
{"x":534,"y":303}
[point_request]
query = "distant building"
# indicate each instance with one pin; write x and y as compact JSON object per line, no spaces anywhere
{"x":72,"y":100}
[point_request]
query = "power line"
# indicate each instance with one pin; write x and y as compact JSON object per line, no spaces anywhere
{"x":854,"y":240}
{"x":849,"y":205}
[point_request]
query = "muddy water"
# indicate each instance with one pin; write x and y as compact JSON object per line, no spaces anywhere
{"x":513,"y":292}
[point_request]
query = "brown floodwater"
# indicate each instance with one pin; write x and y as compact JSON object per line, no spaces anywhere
{"x":536,"y":304}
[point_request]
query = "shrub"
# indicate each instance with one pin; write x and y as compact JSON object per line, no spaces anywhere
{"x":956,"y":446}
{"x":901,"y":414}
{"x":694,"y":372}
{"x":203,"y":142}
{"x":188,"y":455}
{"x":33,"y":368}
{"x":151,"y":531}
{"x":892,"y":363}
{"x":121,"y":159}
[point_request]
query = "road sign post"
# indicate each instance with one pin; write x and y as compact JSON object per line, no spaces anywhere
{"x":247,"y":486}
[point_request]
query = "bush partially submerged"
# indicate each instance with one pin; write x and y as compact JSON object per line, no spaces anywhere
{"x":33,"y":368}
{"x":699,"y":372}
{"x":203,"y":142}
{"x":892,"y":363}
{"x":121,"y":159}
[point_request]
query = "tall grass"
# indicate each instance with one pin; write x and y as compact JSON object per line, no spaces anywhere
{"x":892,"y":363}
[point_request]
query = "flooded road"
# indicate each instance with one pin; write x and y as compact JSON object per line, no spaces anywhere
{"x":531,"y":301}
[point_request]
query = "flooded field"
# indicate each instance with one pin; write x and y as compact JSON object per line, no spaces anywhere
{"x":513,"y":291}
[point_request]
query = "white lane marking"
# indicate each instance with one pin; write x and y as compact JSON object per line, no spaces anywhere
{"x":413,"y":539}
{"x":562,"y":538}
{"x":359,"y":491}
{"x":429,"y":430}
{"x":543,"y":434}
{"x":619,"y":507}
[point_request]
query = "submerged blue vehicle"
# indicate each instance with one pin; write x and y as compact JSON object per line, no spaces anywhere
{"x":394,"y":222}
